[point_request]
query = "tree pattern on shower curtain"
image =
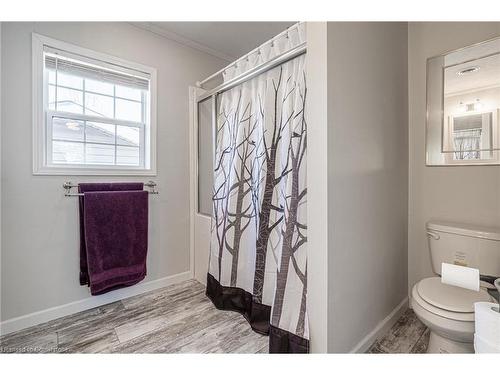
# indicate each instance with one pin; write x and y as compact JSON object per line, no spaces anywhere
{"x":259,"y":230}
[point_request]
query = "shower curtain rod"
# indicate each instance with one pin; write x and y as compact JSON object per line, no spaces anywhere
{"x":285,"y":32}
{"x":259,"y":69}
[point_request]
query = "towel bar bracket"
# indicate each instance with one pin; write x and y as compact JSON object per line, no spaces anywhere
{"x":68,"y":185}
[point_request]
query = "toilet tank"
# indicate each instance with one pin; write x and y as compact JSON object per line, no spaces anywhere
{"x":465,"y":245}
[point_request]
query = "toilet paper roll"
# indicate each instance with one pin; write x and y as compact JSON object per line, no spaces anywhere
{"x":483,"y":346}
{"x":487,"y":322}
{"x":463,"y":277}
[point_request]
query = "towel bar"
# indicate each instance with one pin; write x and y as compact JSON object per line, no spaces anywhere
{"x":68,"y":185}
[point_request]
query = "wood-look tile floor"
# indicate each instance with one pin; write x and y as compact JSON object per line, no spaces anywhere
{"x":176,"y":319}
{"x":407,"y":335}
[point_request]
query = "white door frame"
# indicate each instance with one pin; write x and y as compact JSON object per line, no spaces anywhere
{"x":193,"y":161}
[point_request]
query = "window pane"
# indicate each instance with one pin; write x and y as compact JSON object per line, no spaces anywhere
{"x":127,"y":110}
{"x":67,"y":129}
{"x":101,"y":133}
{"x":67,"y":80}
{"x":99,"y":87}
{"x":69,"y":100}
{"x":128,"y":93}
{"x":127,"y":155}
{"x":99,"y":154}
{"x":52,"y":76}
{"x":67,"y":152}
{"x":98,"y":105}
{"x":91,"y":117}
{"x":52,"y":97}
{"x":205,"y":156}
{"x":127,"y":136}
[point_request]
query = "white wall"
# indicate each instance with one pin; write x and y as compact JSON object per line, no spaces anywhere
{"x":1,"y":183}
{"x":469,"y":194}
{"x":40,"y":237}
{"x":367,"y":177}
{"x":317,"y":209}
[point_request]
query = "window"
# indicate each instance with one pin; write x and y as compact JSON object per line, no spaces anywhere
{"x":470,"y":137}
{"x":93,"y":114}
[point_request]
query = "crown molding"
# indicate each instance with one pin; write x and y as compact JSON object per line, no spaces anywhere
{"x":151,"y":27}
{"x":472,"y":90}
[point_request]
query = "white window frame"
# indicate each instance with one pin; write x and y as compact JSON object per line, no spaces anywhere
{"x":495,"y":136}
{"x":42,"y":117}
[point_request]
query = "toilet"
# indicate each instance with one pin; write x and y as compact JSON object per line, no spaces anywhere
{"x":448,"y":310}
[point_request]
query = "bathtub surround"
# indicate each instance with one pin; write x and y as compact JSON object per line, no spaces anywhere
{"x":37,"y":202}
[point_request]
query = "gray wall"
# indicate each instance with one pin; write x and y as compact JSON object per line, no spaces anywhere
{"x":469,"y":194}
{"x":39,"y":257}
{"x":367,"y":177}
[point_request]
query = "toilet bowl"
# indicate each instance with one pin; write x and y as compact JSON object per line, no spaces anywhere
{"x":448,"y":311}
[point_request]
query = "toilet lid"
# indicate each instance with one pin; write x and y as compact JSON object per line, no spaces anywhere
{"x":449,"y":297}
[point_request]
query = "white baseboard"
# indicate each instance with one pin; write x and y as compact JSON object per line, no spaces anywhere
{"x":381,"y":328}
{"x":29,"y":320}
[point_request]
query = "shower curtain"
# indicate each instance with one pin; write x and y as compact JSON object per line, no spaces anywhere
{"x":258,"y":250}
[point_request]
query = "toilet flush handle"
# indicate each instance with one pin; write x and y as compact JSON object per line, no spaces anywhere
{"x":433,"y":235}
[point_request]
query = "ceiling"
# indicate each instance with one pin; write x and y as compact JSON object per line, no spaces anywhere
{"x":487,"y":75}
{"x":226,"y":40}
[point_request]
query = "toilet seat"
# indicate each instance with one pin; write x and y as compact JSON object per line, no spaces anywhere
{"x":448,"y":301}
{"x":449,"y":297}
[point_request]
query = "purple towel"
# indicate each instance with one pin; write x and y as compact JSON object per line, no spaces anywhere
{"x":113,"y":235}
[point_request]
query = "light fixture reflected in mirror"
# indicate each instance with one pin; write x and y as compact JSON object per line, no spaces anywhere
{"x":469,"y":70}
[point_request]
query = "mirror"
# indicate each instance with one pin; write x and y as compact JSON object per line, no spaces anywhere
{"x":463,"y":106}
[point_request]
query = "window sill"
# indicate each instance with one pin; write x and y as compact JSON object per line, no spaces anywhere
{"x":64,"y":171}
